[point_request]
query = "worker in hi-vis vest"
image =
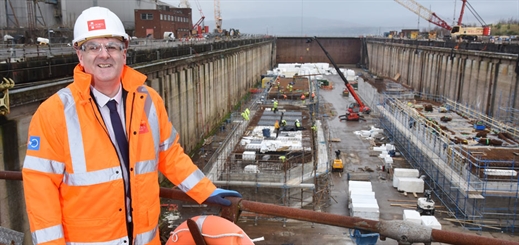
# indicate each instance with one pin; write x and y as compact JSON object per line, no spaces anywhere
{"x":95,"y":149}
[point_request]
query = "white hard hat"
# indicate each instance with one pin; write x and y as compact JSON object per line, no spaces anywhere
{"x":97,"y":22}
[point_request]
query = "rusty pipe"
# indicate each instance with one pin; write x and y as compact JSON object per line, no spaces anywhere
{"x":402,"y":231}
{"x":11,"y":175}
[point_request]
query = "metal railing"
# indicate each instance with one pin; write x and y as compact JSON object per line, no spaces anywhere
{"x":405,"y":232}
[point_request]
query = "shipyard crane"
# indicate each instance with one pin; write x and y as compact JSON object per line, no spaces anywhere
{"x":457,"y":32}
{"x":217,"y":16}
{"x":199,"y":26}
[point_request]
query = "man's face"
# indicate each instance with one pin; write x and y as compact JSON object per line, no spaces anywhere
{"x":103,"y":58}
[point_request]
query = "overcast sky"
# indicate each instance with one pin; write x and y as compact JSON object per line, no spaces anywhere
{"x":342,"y":17}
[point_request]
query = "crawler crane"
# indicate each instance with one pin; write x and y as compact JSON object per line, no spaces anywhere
{"x":458,"y":31}
{"x":354,"y":109}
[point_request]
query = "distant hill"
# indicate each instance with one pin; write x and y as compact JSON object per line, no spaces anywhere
{"x":295,"y":26}
{"x":505,"y":28}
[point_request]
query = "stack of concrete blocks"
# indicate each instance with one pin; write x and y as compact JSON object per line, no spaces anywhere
{"x":407,"y":180}
{"x":412,"y":216}
{"x":431,"y":221}
{"x":362,"y":202}
{"x":384,"y":149}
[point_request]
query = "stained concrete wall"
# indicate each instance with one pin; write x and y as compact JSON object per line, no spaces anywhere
{"x":484,"y":81}
{"x":198,"y":91}
{"x":298,"y":50}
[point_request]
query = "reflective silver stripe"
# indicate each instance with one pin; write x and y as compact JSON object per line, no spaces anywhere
{"x":119,"y":241}
{"x":153,"y":119}
{"x":75,"y":138}
{"x":43,"y":165}
{"x":93,"y":177}
{"x":166,"y":144}
{"x":191,"y":180}
{"x":48,"y":234}
{"x":145,"y":237}
{"x":200,"y":221}
{"x":144,"y":167}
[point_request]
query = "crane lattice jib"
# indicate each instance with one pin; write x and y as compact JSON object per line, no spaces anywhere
{"x":425,"y":13}
{"x":217,"y":17}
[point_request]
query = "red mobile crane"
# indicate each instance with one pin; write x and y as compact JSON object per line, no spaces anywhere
{"x":458,"y":31}
{"x":354,"y":108}
{"x":199,"y":27}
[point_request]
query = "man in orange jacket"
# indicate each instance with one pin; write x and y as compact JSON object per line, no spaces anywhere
{"x":94,"y":148}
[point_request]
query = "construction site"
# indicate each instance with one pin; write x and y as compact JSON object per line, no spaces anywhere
{"x":275,"y":165}
{"x":468,"y":160}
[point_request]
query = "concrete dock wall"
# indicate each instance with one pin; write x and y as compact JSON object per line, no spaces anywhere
{"x":484,"y":81}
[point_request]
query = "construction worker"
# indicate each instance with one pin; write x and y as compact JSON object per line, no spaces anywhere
{"x":283,"y":123}
{"x":313,"y":96}
{"x":297,"y":124}
{"x":284,"y":96}
{"x":290,"y":87}
{"x":275,"y":106}
{"x":282,"y":158}
{"x":276,"y":125}
{"x":314,"y":127}
{"x":303,"y":98}
{"x":95,"y":149}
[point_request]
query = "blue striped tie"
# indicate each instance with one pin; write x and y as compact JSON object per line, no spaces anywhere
{"x":118,"y":128}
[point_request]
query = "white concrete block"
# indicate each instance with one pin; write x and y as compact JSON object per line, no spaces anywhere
{"x":367,"y":215}
{"x":353,"y":184}
{"x":410,"y":185}
{"x":365,"y":207}
{"x":412,"y":216}
{"x":431,"y":221}
{"x":249,"y":155}
{"x":406,"y":172}
{"x":360,"y":200}
{"x":388,"y":160}
{"x":361,"y":193}
{"x":359,"y":186}
{"x":403,"y":172}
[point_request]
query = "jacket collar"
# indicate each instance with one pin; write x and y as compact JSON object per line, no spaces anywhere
{"x":131,"y":79}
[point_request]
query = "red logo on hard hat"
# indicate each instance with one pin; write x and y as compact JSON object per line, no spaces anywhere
{"x":96,"y":25}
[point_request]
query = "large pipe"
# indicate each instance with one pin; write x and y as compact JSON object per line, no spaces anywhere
{"x":404,"y":232}
{"x":264,"y":184}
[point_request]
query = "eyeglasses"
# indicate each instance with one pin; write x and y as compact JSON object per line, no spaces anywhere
{"x":94,"y":48}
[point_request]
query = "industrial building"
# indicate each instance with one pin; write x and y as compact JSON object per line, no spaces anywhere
{"x":54,"y":19}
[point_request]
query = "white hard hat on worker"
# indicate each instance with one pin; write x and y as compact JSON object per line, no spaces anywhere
{"x":100,"y":42}
{"x":96,"y":22}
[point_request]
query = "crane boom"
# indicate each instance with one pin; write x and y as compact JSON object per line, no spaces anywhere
{"x":361,"y":106}
{"x":199,"y":26}
{"x":462,"y":11}
{"x":217,"y":16}
{"x":424,"y":13}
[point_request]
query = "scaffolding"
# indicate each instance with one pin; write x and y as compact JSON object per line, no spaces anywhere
{"x":474,"y":189}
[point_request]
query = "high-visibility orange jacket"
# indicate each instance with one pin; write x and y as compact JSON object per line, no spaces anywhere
{"x":73,"y":184}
